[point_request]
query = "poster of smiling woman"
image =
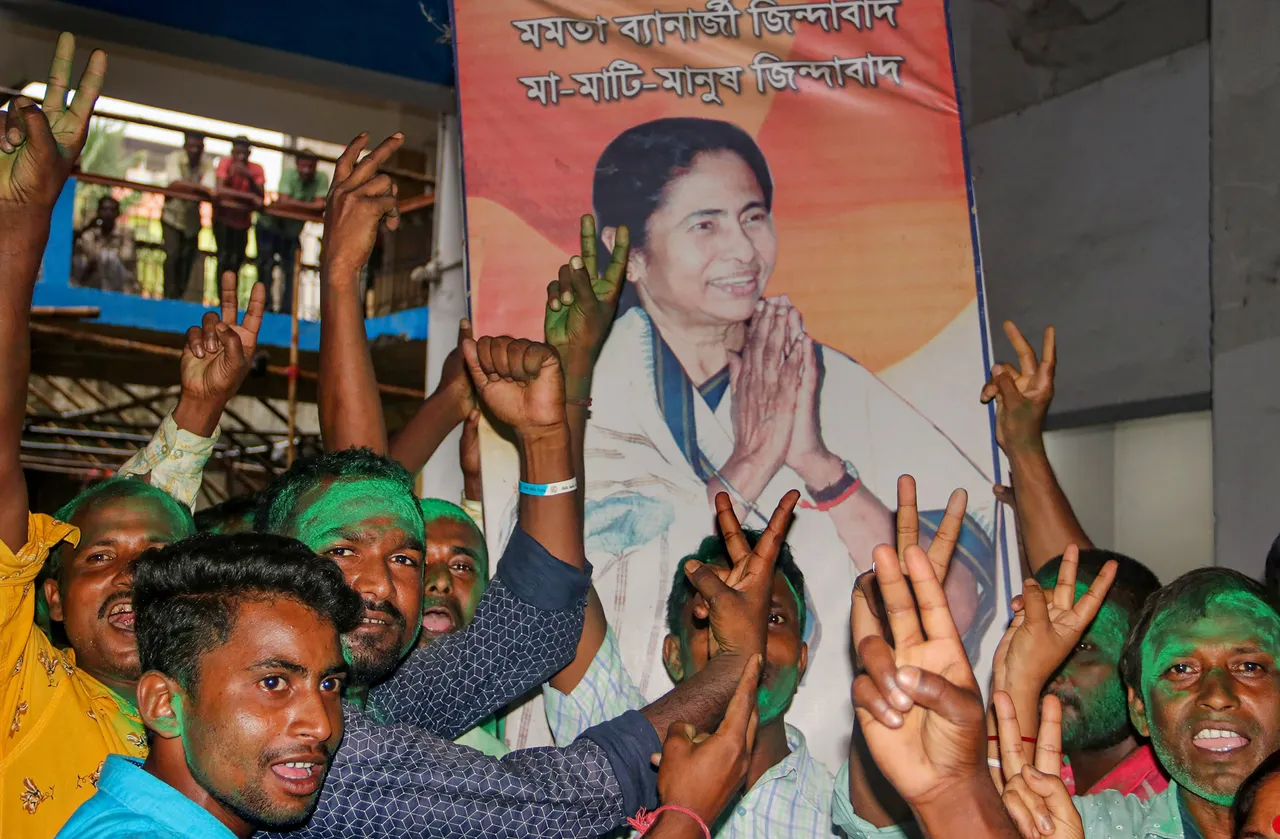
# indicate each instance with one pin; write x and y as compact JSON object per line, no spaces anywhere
{"x":802,"y":306}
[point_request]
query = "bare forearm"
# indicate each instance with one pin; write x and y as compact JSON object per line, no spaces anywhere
{"x":700,"y":700}
{"x":1045,"y":518}
{"x":21,"y":249}
{"x":873,"y":797}
{"x":862,"y":523}
{"x":413,"y":445}
{"x":350,"y":407}
{"x":199,"y":416}
{"x":554,"y":520}
{"x":973,"y":810}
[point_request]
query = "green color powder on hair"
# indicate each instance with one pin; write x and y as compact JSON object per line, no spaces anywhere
{"x":436,"y":509}
{"x":343,"y":503}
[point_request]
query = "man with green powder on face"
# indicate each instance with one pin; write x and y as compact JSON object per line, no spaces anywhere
{"x":788,"y":792}
{"x":1101,"y":748}
{"x":1200,"y":670}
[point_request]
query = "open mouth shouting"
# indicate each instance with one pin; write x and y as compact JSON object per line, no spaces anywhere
{"x":118,"y":612}
{"x":439,"y":620}
{"x":1219,"y":738}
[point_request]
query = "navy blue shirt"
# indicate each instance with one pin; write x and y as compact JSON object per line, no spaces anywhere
{"x":398,"y":773}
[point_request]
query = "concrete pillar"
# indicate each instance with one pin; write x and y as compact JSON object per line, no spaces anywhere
{"x":442,"y":477}
{"x":1246,"y":279}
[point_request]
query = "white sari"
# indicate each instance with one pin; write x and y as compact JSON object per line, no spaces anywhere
{"x":647,"y":507}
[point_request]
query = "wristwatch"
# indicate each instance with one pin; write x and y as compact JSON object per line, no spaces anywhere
{"x":839,"y":488}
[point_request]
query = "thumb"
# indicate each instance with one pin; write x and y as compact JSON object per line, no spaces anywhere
{"x":471,"y":354}
{"x":39,"y":136}
{"x":1007,"y":389}
{"x":706,"y":582}
{"x":1054,"y":792}
{"x":954,"y":704}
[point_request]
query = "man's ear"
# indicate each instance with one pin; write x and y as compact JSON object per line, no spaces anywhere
{"x":1138,"y":714}
{"x":160,"y":704}
{"x":53,"y":597}
{"x":635,"y":261}
{"x":672,"y":659}
{"x":804,"y":661}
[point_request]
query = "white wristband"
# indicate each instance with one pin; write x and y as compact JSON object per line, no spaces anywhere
{"x":543,"y":490}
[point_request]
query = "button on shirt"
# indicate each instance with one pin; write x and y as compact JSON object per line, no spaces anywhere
{"x":131,"y":802}
{"x":1106,"y":815}
{"x":61,"y":723}
{"x":791,"y":799}
{"x":175,"y":459}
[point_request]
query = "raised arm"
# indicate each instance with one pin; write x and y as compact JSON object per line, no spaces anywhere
{"x":1045,"y":628}
{"x":529,"y":620}
{"x":581,"y":305}
{"x":1023,"y":394}
{"x":919,"y":705}
{"x":215,"y":361}
{"x":449,"y":404}
{"x":37,"y":151}
{"x":359,"y":200}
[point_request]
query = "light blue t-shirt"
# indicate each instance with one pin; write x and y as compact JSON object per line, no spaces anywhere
{"x":131,"y":802}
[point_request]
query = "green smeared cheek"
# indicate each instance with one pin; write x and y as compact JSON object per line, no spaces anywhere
{"x":772,"y":700}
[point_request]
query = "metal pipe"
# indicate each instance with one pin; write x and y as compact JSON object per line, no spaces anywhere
{"x":173,"y":352}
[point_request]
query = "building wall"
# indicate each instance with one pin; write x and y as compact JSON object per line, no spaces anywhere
{"x":1094,"y":214}
{"x":1143,"y":488}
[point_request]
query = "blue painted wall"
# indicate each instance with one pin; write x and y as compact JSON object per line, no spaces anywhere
{"x":388,"y":36}
{"x":118,"y":309}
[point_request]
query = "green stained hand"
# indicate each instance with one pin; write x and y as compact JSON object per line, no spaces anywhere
{"x":582,"y":302}
{"x":39,"y":146}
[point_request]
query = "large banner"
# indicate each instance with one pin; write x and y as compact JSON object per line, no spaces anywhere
{"x":803,"y":270}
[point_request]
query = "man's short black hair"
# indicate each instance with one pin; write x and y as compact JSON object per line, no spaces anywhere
{"x":1194,"y":588}
{"x":1247,"y":794}
{"x":186,"y":595}
{"x":278,"y":503}
{"x":192,"y":134}
{"x":235,"y":509}
{"x":241,"y":141}
{"x":1134,"y":581}
{"x":305,"y":154}
{"x":104,"y":199}
{"x":634,"y":170}
{"x":712,"y":549}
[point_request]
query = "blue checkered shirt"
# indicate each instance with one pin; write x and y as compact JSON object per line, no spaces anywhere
{"x":791,"y":799}
{"x":397,"y":774}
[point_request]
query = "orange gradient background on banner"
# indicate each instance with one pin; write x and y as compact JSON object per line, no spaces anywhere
{"x":870,"y":204}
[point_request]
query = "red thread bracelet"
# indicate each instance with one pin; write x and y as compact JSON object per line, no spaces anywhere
{"x":992,"y":738}
{"x":574,"y":400}
{"x":642,"y":821}
{"x":823,"y":506}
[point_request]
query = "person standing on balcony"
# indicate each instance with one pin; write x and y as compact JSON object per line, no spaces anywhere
{"x":105,"y":257}
{"x":190,"y":171}
{"x":301,"y":188}
{"x":240,"y":191}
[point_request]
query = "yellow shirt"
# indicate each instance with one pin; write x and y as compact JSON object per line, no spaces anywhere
{"x":57,"y":723}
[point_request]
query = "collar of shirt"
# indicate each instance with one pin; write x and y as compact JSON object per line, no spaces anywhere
{"x":124,"y":780}
{"x":810,"y":778}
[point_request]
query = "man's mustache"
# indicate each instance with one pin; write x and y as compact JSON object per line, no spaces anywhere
{"x":112,"y":601}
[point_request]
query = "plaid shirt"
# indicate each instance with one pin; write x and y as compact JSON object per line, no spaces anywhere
{"x":397,"y":774}
{"x":791,"y":799}
{"x":175,"y":458}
